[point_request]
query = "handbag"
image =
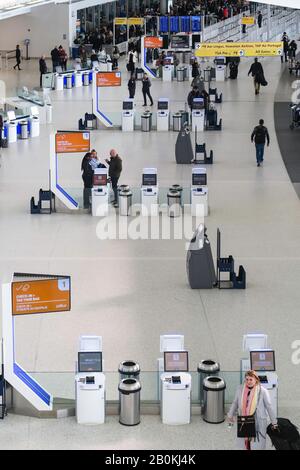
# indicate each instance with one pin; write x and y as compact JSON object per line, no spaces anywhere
{"x":246,"y":426}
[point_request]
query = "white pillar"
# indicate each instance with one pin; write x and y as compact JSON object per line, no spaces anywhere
{"x":269,"y":22}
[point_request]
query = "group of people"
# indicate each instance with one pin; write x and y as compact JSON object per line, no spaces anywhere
{"x":59,"y":58}
{"x":88,"y":165}
{"x":289,"y":48}
{"x":146,"y":85}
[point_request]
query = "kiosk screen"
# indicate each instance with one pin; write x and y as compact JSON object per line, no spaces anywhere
{"x":127,"y":105}
{"x":176,"y":361}
{"x":99,"y":180}
{"x":162,"y":105}
{"x":199,"y":179}
{"x":90,"y":361}
{"x":149,"y":180}
{"x":198,"y":103}
{"x":263,"y":360}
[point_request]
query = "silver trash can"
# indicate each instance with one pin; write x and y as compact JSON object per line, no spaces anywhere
{"x":214,"y":400}
{"x":130,"y":402}
{"x":207,"y":75}
{"x":69,"y":82}
{"x":125,"y":202}
{"x":180,"y":74}
{"x":146,"y":122}
{"x":86,"y":79}
{"x":174,"y":203}
{"x":129,"y":370}
{"x":177,"y":122}
{"x":205,"y":369}
{"x":24,"y":129}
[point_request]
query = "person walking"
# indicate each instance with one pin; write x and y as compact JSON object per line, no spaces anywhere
{"x":285,"y":40}
{"x":292,"y":51}
{"x":131,"y":86}
{"x":146,"y":84}
{"x":260,"y":135}
{"x":18,"y":57}
{"x":252,"y":399}
{"x":114,"y":172}
{"x":43,"y":69}
{"x":257,"y":73}
{"x":259,"y":19}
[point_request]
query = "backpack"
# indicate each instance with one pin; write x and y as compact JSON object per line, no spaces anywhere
{"x":286,"y":437}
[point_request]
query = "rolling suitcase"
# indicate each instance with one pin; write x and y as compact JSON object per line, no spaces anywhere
{"x":234,"y":70}
{"x":286,"y":437}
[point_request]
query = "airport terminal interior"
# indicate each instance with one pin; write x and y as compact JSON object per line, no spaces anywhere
{"x":132,"y":290}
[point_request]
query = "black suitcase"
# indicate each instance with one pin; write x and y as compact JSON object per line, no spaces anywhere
{"x":234,"y":70}
{"x":212,"y":117}
{"x":286,"y":437}
{"x":4,"y":144}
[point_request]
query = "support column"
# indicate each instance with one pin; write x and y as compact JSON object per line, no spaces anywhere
{"x":269,"y":22}
{"x":163,"y":7}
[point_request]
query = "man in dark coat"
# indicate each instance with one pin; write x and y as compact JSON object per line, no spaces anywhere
{"x":257,"y":73}
{"x":114,"y":172}
{"x":18,"y":57}
{"x":43,"y":69}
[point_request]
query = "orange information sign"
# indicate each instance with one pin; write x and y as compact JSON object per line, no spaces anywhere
{"x":108,"y":79}
{"x":72,"y":142}
{"x":153,"y":42}
{"x":41,"y":296}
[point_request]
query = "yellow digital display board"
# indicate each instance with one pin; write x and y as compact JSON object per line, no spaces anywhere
{"x":239,"y":49}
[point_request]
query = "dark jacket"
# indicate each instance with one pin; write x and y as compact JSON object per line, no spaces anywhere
{"x":192,"y":94}
{"x":18,"y":54}
{"x":131,"y":85}
{"x":88,"y":173}
{"x":146,"y":84}
{"x":55,"y":55}
{"x":43,"y":66}
{"x":260,"y":134}
{"x":195,"y":70}
{"x":115,"y":167}
{"x":256,"y":69}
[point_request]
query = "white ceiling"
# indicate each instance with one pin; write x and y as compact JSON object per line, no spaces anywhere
{"x":282,"y":3}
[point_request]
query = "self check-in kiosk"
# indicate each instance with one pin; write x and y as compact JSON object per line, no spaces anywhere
{"x":128,"y":116}
{"x":198,"y":114}
{"x":176,"y":386}
{"x":149,"y":192}
{"x":262,"y":360}
{"x":199,"y":192}
{"x":100,"y":192}
{"x":163,"y":114}
{"x":220,"y":69}
{"x":168,"y":69}
{"x":90,"y":382}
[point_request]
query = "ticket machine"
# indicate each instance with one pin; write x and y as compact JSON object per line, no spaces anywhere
{"x":34,"y":122}
{"x":100,"y":192}
{"x":176,"y":387}
{"x":90,"y":382}
{"x":128,"y":116}
{"x":199,"y":193}
{"x":168,"y":69}
{"x":220,"y":69}
{"x":163,"y":114}
{"x":262,"y":360}
{"x":149,"y":192}
{"x":198,"y":114}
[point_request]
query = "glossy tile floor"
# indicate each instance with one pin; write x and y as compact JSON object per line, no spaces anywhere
{"x":131,"y":291}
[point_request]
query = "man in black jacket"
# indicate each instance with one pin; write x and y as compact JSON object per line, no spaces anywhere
{"x":43,"y":68}
{"x":114,"y":172}
{"x":55,"y":58}
{"x":260,"y":135}
{"x":146,"y":84}
{"x":257,"y":72}
{"x":18,"y":57}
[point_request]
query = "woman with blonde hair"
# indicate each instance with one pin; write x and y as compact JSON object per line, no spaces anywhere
{"x":252,"y":401}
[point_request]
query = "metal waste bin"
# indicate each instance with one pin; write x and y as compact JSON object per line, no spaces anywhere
{"x":125,"y":201}
{"x":180,"y":74}
{"x":86,"y":79}
{"x":69,"y":81}
{"x":146,"y":122}
{"x":12,"y":132}
{"x":207,"y":75}
{"x":129,"y":370}
{"x":205,"y":369}
{"x":177,"y":122}
{"x":214,"y":400}
{"x":49,"y":113}
{"x":24,"y":129}
{"x":174,"y":203}
{"x":130,"y":401}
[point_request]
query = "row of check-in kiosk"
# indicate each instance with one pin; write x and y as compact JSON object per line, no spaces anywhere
{"x":163,"y":116}
{"x":174,"y":381}
{"x":21,"y":126}
{"x":149,"y":194}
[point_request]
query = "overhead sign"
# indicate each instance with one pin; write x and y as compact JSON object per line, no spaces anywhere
{"x":239,"y":49}
{"x":135,"y":21}
{"x":72,"y":142}
{"x":41,"y":296}
{"x":248,"y":20}
{"x":120,"y":21}
{"x":153,"y":42}
{"x":108,"y":79}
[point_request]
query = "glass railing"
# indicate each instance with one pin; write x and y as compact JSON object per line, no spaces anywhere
{"x":61,"y":385}
{"x":31,"y":95}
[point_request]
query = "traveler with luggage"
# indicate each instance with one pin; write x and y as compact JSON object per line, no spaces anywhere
{"x":292,"y":51}
{"x":285,"y":436}
{"x":285,"y":40}
{"x":260,"y":135}
{"x":195,"y":93}
{"x":257,"y":73}
{"x":253,"y":405}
